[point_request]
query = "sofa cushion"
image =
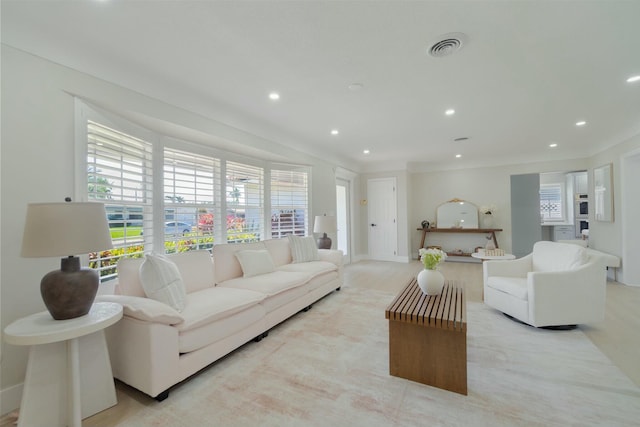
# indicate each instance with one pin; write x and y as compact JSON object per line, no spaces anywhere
{"x":210,"y":305}
{"x":207,"y":334}
{"x":255,"y":262}
{"x":129,"y":277}
{"x":515,"y":286}
{"x":280,"y":251}
{"x":269,"y":284}
{"x":226,"y":265}
{"x":313,"y":268}
{"x":303,"y":249}
{"x":196,"y":268}
{"x":554,"y":256}
{"x":161,"y":281}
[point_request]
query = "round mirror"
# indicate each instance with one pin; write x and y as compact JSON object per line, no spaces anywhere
{"x":457,"y":213}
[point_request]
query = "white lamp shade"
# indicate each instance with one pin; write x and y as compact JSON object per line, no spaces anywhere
{"x":65,"y":229}
{"x":325,"y":224}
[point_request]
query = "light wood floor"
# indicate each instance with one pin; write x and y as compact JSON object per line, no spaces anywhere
{"x":616,"y":337}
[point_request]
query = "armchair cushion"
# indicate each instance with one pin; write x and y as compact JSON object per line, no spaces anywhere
{"x":515,"y":286}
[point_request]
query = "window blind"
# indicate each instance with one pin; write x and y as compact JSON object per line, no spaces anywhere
{"x":244,"y":186}
{"x":289,"y":202}
{"x":191,"y":200}
{"x":119,"y":175}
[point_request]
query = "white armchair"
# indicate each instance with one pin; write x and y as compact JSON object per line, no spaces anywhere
{"x":558,"y":284}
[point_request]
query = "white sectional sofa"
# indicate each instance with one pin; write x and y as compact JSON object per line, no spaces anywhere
{"x":226,"y":305}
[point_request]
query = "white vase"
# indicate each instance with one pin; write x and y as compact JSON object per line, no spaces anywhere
{"x":431,"y":282}
{"x":487,"y":221}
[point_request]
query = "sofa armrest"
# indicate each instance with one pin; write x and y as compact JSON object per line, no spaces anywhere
{"x":334,"y":256}
{"x":146,"y":309}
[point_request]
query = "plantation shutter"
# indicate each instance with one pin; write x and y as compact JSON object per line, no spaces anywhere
{"x":245,"y":202}
{"x":191,"y":200}
{"x":119,"y":174}
{"x":289,"y":201}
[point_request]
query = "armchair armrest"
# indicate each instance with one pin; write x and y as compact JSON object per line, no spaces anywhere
{"x":145,"y":309}
{"x":567,"y":297}
{"x":509,"y":268}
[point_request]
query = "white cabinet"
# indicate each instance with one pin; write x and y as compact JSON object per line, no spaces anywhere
{"x":580,"y":183}
{"x":563,"y":232}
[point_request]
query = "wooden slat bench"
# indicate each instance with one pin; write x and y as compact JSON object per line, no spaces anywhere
{"x":428,"y":337}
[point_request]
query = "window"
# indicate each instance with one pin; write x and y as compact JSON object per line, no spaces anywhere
{"x":166,"y":195}
{"x":289,"y":202}
{"x":245,"y":202}
{"x":551,"y":203}
{"x":191,"y":200}
{"x":119,"y":175}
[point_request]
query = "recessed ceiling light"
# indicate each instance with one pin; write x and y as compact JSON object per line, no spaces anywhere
{"x":366,"y":151}
{"x":450,"y":112}
{"x":554,"y":145}
{"x":633,"y":79}
{"x":334,"y":131}
{"x":274,"y":96}
{"x":458,"y":156}
{"x":355,"y":86}
{"x":581,"y":123}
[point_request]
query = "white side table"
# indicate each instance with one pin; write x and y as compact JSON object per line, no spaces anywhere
{"x":68,"y":373}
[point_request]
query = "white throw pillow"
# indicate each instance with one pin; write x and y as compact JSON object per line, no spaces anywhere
{"x":161,"y":281}
{"x":303,"y":249}
{"x":255,"y":262}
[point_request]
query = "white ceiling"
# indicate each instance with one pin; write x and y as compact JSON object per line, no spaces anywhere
{"x":529,"y":71}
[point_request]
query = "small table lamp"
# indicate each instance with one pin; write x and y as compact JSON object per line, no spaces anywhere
{"x":59,"y":229}
{"x":324,"y":224}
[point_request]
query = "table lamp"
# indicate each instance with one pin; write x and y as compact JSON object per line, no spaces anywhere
{"x":66,"y":229}
{"x":324,"y":224}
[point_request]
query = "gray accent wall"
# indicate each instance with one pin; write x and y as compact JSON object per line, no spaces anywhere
{"x":525,"y":213}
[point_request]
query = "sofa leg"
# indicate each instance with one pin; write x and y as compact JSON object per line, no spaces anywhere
{"x":162,"y":396}
{"x":262,"y":335}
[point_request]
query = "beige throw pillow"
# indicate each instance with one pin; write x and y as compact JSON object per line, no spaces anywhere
{"x":303,"y":249}
{"x":255,"y":262}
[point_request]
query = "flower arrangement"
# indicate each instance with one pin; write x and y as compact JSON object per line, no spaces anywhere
{"x":487,"y":210}
{"x":431,"y":257}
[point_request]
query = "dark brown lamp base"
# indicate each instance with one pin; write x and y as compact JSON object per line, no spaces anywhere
{"x":69,"y":292}
{"x":324,"y":242}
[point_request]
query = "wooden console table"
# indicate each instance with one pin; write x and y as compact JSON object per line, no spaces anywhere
{"x":428,"y":336}
{"x":492,"y":231}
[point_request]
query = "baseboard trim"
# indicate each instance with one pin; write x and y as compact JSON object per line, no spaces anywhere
{"x":10,"y":398}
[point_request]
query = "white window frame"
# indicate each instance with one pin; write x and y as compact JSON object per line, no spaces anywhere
{"x":154,"y":219}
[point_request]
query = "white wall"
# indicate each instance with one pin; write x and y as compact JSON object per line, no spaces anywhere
{"x":607,"y":236}
{"x":38,"y":166}
{"x":482,"y":186}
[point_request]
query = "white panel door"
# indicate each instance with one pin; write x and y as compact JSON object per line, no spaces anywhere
{"x":382,"y":224}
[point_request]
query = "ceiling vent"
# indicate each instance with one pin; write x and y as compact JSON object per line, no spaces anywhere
{"x":447,"y":44}
{"x":464,"y":138}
